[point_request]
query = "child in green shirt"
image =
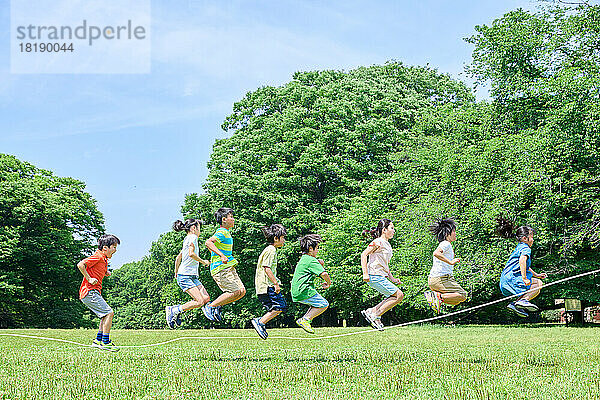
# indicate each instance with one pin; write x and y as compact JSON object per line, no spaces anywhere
{"x":303,"y":288}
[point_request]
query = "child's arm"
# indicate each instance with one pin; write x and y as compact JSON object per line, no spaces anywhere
{"x":523,"y":266}
{"x":439,"y":254}
{"x":363,"y":260}
{"x":210,"y":243}
{"x":177,"y":262}
{"x":327,"y":279}
{"x":536,"y":275}
{"x":82,"y":268}
{"x":193,"y":255}
{"x":272,"y":278}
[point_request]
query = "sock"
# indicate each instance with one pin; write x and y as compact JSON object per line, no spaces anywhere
{"x":105,"y":338}
{"x":99,"y":336}
{"x":177,"y":309}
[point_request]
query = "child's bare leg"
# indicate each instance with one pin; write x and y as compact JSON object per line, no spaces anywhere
{"x":388,"y":303}
{"x":535,"y":284}
{"x":106,"y":323}
{"x":200,"y":296}
{"x":269,"y":316}
{"x":314,"y":312}
{"x":452,"y":298}
{"x":228,"y":297}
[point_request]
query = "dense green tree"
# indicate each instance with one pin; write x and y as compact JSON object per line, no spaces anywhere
{"x":47,"y":224}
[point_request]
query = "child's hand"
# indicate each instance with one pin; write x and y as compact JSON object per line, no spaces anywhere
{"x":527,"y":281}
{"x":543,"y":275}
{"x":455,"y":261}
{"x":206,"y":263}
{"x":277,"y":288}
{"x":321,"y":262}
{"x":366,"y":277}
{"x":224,"y":259}
{"x":93,"y":281}
{"x":396,"y":280}
{"x":326,"y":285}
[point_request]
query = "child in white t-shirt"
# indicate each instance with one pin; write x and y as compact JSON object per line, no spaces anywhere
{"x":444,"y":289}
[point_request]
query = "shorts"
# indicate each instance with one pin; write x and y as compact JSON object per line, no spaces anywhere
{"x":186,"y":282}
{"x":511,"y":285}
{"x":94,"y":301}
{"x":228,"y":280}
{"x":273,"y":301}
{"x":316,"y":301}
{"x":383,"y":285}
{"x":445,"y":284}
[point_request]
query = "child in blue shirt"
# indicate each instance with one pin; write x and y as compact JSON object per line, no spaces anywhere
{"x":517,"y":276}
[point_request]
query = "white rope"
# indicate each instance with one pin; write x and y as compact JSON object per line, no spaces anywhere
{"x":421,"y":321}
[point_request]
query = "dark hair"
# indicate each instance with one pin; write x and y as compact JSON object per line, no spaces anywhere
{"x":185,"y":226}
{"x":308,"y":241}
{"x":376,"y":232}
{"x":107,"y":240}
{"x":273,"y":231}
{"x":221,"y":213}
{"x":442,"y":228}
{"x":505,"y":229}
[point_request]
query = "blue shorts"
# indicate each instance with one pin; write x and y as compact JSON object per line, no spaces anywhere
{"x":186,"y":282}
{"x":382,"y":285}
{"x":511,"y":284}
{"x":317,"y":301}
{"x":273,"y":301}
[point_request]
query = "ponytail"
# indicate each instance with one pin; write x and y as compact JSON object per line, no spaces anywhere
{"x":506,"y":229}
{"x":185,"y":226}
{"x":376,"y":232}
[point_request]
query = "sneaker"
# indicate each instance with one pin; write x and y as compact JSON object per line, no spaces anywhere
{"x":109,"y":346}
{"x":519,"y":312}
{"x":305,"y":324}
{"x":208,"y":312}
{"x":434,"y":300}
{"x":377,"y":324}
{"x":259,"y":327}
{"x":178,"y":321}
{"x":217,"y":313}
{"x":97,"y":343}
{"x":369,"y":317}
{"x":170,"y":317}
{"x":526,"y":305}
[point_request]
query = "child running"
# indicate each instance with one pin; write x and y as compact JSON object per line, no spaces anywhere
{"x":186,"y":272}
{"x":94,"y":269}
{"x":374,"y":261}
{"x":518,"y":277}
{"x":303,"y":287}
{"x":444,"y":289}
{"x":267,"y":284}
{"x":222,"y":265}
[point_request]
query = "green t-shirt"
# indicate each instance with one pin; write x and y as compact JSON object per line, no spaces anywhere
{"x":303,"y":282}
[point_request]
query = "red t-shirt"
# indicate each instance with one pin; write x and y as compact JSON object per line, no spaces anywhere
{"x":96,"y":266}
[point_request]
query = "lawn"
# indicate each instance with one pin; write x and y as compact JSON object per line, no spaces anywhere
{"x":417,"y":362}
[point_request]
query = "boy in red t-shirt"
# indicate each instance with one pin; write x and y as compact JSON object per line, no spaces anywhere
{"x":93,"y":269}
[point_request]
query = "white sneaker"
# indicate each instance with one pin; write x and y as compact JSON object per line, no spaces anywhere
{"x":378,"y":324}
{"x":434,"y":301}
{"x":526,"y":305}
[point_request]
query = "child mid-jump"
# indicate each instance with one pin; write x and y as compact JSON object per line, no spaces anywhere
{"x":186,"y":272}
{"x":517,"y":276}
{"x":222,"y":264}
{"x":268,"y":286}
{"x":444,"y":289}
{"x":93,"y":269}
{"x":374,"y":261}
{"x":303,"y":287}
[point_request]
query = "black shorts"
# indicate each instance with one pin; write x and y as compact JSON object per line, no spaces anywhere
{"x":273,"y":301}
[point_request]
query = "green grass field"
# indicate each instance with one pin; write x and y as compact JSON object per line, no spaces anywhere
{"x":419,"y":362}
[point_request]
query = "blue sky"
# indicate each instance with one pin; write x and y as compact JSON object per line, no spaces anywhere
{"x":141,"y":141}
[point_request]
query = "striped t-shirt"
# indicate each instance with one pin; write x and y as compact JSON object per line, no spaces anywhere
{"x":224,"y":243}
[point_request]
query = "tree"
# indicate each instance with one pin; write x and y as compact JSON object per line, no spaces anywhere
{"x":47,"y":224}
